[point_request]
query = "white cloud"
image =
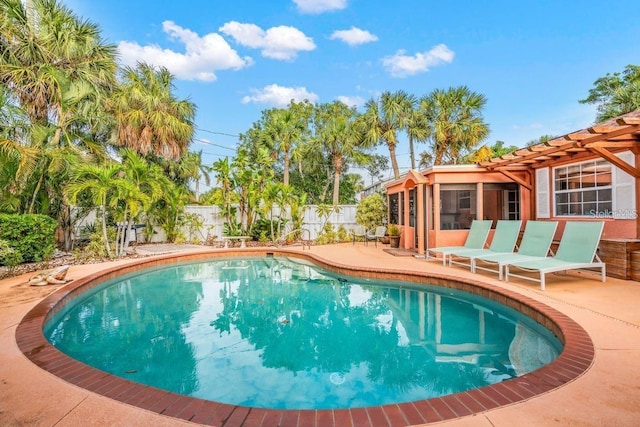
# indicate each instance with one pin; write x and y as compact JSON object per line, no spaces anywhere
{"x":281,"y":42}
{"x":402,"y":65}
{"x":320,"y":6}
{"x":201,"y":58}
{"x":351,"y":101}
{"x":354,"y":36}
{"x":279,"y":96}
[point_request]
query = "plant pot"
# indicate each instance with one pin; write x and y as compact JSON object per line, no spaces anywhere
{"x":384,"y":240}
{"x":394,"y":241}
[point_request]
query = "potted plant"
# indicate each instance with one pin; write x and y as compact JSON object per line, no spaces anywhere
{"x":394,"y":235}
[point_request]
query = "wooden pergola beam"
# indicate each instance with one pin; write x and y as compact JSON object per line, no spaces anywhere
{"x":516,"y":178}
{"x":610,"y":144}
{"x":628,"y":121}
{"x":612,"y":158}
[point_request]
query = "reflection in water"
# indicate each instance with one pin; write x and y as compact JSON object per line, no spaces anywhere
{"x":271,"y":332}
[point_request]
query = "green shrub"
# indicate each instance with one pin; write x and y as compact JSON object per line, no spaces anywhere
{"x":327,"y":235}
{"x":32,"y":236}
{"x":9,"y":256}
{"x":371,"y":211}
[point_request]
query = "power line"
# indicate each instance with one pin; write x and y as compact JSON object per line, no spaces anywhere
{"x":204,"y":141}
{"x":217,"y":133}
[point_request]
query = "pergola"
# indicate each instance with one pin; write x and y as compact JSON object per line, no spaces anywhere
{"x":603,"y":140}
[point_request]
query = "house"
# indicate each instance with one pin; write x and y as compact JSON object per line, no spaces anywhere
{"x":585,"y":175}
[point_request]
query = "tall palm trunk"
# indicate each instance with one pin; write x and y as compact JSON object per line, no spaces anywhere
{"x":337,"y":171}
{"x":287,"y":161}
{"x":104,"y":230}
{"x":412,"y":153}
{"x":394,"y":161}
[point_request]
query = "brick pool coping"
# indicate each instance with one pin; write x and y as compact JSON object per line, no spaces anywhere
{"x":575,"y":359}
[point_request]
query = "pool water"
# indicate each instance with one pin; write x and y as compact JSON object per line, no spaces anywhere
{"x":284,"y":334}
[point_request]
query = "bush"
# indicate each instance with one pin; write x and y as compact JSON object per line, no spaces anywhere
{"x":9,"y":256}
{"x":32,"y":236}
{"x":371,"y":211}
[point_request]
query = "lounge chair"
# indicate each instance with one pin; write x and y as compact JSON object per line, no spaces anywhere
{"x":535,"y":244}
{"x":577,"y":251}
{"x":476,"y":239}
{"x":503,"y":242}
{"x":359,"y":231}
{"x":377,"y":234}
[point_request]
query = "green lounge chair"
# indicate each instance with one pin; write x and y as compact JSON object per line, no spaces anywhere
{"x":504,"y":241}
{"x":577,"y":251}
{"x":535,"y":244}
{"x":476,"y":239}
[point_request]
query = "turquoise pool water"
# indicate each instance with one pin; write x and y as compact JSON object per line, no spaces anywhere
{"x":284,"y":334}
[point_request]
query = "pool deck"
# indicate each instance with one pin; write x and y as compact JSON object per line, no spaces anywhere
{"x":607,"y":394}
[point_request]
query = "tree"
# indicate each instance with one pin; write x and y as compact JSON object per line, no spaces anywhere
{"x":44,"y":50}
{"x":337,"y":138}
{"x":376,"y":165}
{"x":372,"y":211}
{"x":417,"y":130}
{"x":99,"y":184}
{"x":169,"y":210}
{"x":286,"y":129}
{"x":382,"y":120}
{"x":190,"y":168}
{"x":144,"y":186}
{"x":541,"y":140}
{"x":455,"y":122}
{"x":486,"y":152}
{"x":149,"y":118}
{"x":57,"y":71}
{"x":615,"y":94}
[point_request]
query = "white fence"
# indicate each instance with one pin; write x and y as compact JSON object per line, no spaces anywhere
{"x":213,"y":222}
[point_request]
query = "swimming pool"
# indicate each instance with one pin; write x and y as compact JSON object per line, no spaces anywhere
{"x":572,"y":362}
{"x":282,"y":334}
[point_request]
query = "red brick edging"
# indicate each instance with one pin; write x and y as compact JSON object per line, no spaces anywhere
{"x":575,"y":359}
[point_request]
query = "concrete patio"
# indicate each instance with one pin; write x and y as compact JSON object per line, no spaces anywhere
{"x":608,"y":394}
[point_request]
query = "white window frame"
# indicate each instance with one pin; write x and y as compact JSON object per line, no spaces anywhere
{"x":607,"y":213}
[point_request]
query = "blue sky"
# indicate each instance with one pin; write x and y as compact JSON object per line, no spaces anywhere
{"x":533,"y":60}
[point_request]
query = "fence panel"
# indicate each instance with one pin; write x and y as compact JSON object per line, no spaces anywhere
{"x":213,"y":222}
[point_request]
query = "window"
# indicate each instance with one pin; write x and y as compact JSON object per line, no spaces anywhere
{"x":464,"y":199}
{"x":583,"y":189}
{"x":501,"y":201}
{"x":457,"y":206}
{"x":412,"y":207}
{"x":393,"y":208}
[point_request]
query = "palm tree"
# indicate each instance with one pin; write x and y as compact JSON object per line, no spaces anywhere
{"x":455,"y":122}
{"x":46,"y":49}
{"x":190,"y":168}
{"x":417,"y":130}
{"x":144,"y":186}
{"x":382,"y":120}
{"x":224,"y":196}
{"x":99,"y":183}
{"x":169,"y":209}
{"x":57,"y":70}
{"x":337,"y":137}
{"x":149,"y":118}
{"x":287,"y":128}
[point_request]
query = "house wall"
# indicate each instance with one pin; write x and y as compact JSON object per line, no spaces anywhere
{"x":451,"y":175}
{"x":615,"y":228}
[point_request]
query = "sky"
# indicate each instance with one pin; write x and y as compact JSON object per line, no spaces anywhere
{"x":532,"y":60}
